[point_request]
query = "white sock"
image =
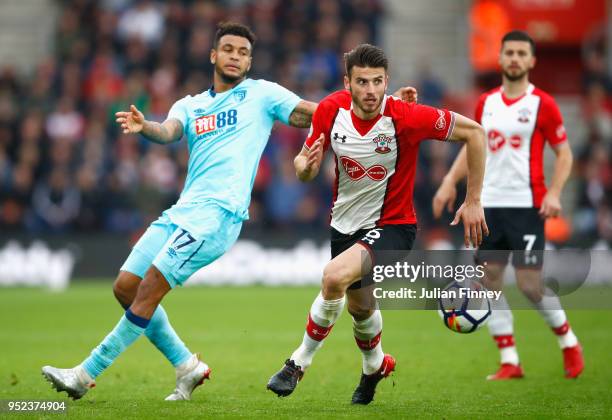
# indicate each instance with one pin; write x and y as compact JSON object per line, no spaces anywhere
{"x":568,"y":339}
{"x":83,"y":376}
{"x":502,"y":329}
{"x":322,"y":317}
{"x":509,"y":355}
{"x":187,"y":366}
{"x":368,"y":337}
{"x":550,"y":309}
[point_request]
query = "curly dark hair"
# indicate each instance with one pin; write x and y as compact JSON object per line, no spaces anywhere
{"x":234,"y":28}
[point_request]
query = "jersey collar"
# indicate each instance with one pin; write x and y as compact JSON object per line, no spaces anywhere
{"x":213,"y":93}
{"x":512,"y":101}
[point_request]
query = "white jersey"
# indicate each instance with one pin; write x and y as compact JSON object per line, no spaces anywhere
{"x":375,"y":159}
{"x":516,"y":131}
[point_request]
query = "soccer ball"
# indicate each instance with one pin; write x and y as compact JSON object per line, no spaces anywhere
{"x":460,"y":311}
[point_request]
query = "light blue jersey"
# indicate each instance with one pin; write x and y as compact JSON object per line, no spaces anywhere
{"x":227,"y":133}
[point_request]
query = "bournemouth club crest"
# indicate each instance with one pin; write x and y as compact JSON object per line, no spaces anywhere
{"x":239,"y":95}
{"x":382,"y":143}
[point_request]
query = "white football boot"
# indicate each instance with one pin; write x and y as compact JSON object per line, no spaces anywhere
{"x":189,"y":375}
{"x":76,"y":382}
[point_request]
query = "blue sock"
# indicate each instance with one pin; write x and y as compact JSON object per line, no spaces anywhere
{"x":127,"y":330}
{"x":163,"y":336}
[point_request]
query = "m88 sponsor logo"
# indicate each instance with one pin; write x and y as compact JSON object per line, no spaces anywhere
{"x":208,"y":123}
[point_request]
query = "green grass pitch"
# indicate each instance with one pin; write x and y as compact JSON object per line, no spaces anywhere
{"x":246,"y":333}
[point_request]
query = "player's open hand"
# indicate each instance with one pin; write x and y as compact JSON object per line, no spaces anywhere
{"x":445,"y":197}
{"x":551,"y":206}
{"x":315,"y":155}
{"x":132,"y":121}
{"x":407,"y":94}
{"x":474,"y":223}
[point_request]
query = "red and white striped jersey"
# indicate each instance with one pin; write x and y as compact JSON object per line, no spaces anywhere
{"x":516,"y":131}
{"x":375,"y":159}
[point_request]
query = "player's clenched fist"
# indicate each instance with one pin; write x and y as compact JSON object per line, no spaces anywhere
{"x":132,"y":121}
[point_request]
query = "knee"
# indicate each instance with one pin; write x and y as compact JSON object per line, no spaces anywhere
{"x":153,"y":286}
{"x":493,"y":279}
{"x":125,"y":287}
{"x":531,"y":290}
{"x":335,"y":280}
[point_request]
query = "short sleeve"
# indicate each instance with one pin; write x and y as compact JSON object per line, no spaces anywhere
{"x":552,"y":122}
{"x":479,"y":109}
{"x":178,"y":112}
{"x":281,"y":101}
{"x":321,"y":121}
{"x":426,"y":122}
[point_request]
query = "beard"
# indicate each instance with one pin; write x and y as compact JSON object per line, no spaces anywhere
{"x":514,"y":77}
{"x":228,"y":78}
{"x":366,"y":107}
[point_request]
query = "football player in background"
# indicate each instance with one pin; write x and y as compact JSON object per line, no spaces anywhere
{"x":519,"y":119}
{"x":375,"y":140}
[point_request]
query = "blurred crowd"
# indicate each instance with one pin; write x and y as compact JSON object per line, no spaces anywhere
{"x":65,"y":167}
{"x":592,"y":217}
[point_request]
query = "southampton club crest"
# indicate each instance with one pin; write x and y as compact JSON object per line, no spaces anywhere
{"x":382,"y":143}
{"x":524,"y":115}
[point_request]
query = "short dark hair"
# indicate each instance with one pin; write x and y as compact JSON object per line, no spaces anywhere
{"x":365,"y":55}
{"x":519,"y":36}
{"x":234,"y":28}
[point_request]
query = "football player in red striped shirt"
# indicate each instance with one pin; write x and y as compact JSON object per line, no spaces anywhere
{"x":518,"y":119}
{"x":375,"y":140}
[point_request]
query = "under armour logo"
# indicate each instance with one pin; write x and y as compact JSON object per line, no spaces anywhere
{"x":341,"y":138}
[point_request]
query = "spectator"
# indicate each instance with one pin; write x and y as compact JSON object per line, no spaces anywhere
{"x":55,"y":202}
{"x":144,"y":21}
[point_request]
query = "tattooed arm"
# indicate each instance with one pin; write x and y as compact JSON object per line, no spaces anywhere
{"x":301,"y":116}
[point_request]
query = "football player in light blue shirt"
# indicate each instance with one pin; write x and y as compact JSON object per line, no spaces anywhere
{"x":227,"y":128}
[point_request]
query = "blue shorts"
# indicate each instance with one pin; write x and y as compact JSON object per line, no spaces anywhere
{"x":178,"y":253}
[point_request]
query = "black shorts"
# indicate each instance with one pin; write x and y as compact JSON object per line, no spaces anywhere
{"x":384,"y":238}
{"x":519,"y":231}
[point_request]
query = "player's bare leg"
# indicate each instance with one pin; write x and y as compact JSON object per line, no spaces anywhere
{"x":501,"y":326}
{"x":125,"y":288}
{"x":548,"y":305}
{"x":338,"y":275}
{"x":367,"y":328}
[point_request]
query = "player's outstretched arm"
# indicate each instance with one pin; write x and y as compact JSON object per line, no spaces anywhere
{"x":471,"y":211}
{"x":301,"y":116}
{"x":308,"y":162}
{"x":551,"y":204}
{"x":133,"y":121}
